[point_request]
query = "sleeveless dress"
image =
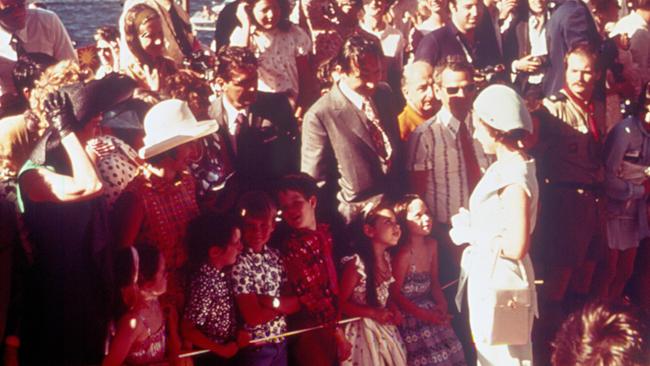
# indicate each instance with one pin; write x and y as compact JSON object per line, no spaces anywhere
{"x":427,"y":343}
{"x":372,"y":343}
{"x":487,"y":221}
{"x":151,"y":349}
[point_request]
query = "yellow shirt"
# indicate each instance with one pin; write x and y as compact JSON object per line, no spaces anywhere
{"x":408,"y":121}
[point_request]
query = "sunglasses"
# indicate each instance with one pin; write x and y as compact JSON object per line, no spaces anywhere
{"x":453,"y":90}
{"x":9,"y":9}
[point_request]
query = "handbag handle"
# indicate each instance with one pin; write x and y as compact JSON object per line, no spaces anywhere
{"x":520,"y":264}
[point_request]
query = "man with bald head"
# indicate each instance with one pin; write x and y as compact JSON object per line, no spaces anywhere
{"x":417,"y":86}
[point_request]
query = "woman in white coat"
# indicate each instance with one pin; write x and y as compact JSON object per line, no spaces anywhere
{"x":502,"y":212}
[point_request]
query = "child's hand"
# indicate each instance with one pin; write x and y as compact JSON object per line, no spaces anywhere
{"x":397,"y":317}
{"x":101,"y":148}
{"x":243,"y":338}
{"x":151,"y":77}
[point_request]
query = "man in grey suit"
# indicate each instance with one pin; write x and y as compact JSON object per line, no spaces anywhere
{"x":351,"y":133}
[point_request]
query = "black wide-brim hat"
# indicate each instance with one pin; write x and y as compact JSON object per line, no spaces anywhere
{"x":97,"y":96}
{"x":88,"y":100}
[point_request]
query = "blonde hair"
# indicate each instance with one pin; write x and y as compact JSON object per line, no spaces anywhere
{"x":61,"y":74}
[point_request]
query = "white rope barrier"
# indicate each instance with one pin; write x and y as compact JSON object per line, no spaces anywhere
{"x":305,"y":330}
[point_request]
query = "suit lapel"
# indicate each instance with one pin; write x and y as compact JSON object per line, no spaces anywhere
{"x":351,"y":116}
{"x":522,"y":38}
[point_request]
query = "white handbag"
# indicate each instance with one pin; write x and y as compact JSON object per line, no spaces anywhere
{"x":505,"y":313}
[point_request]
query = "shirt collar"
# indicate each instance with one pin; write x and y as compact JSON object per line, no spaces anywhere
{"x":532,"y":17}
{"x":231,"y":113}
{"x":413,"y":113}
{"x":209,"y":269}
{"x":354,"y":97}
{"x":249,"y":251}
{"x":585,"y":105}
{"x":448,"y":120}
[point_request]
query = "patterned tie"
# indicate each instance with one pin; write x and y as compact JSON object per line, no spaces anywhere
{"x":469,"y":156}
{"x":379,"y":136}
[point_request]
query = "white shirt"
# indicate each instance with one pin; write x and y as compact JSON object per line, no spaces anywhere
{"x":355,"y":98}
{"x":427,"y":26}
{"x":637,"y":29}
{"x":231,"y":118}
{"x":436,"y":148}
{"x":43,"y":33}
{"x":538,"y":45}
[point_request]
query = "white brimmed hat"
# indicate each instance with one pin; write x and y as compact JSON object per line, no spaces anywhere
{"x":502,"y":108}
{"x":170,"y":123}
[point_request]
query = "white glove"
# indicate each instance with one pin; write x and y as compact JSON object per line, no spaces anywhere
{"x":461,"y":229}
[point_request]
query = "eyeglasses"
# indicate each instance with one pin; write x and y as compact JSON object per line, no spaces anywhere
{"x":453,"y":90}
{"x":8,"y":9}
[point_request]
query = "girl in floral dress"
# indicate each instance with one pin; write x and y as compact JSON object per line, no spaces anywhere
{"x":429,"y":338}
{"x":364,"y":293}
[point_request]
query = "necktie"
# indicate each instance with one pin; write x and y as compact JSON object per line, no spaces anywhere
{"x":240,"y":123}
{"x":591,"y":122}
{"x":379,"y":137}
{"x":17,"y":45}
{"x":472,"y":169}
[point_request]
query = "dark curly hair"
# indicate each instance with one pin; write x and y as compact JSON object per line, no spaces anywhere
{"x":188,"y":86}
{"x":299,"y":182}
{"x":29,"y":68}
{"x":206,"y":231}
{"x":231,"y":57}
{"x":354,"y":48}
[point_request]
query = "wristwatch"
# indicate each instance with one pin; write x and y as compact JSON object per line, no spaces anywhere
{"x":276,"y":303}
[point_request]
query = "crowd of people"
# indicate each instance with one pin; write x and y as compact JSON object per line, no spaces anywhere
{"x":411,"y":182}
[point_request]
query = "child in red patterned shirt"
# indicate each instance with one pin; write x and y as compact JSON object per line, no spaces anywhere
{"x":311,"y":273}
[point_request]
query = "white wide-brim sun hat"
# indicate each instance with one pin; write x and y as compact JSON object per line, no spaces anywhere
{"x":169,"y":124}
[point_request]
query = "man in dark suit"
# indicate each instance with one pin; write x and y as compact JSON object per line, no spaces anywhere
{"x":570,"y":24}
{"x":351,"y":133}
{"x":525,"y":49}
{"x":257,"y":140}
{"x":469,"y":35}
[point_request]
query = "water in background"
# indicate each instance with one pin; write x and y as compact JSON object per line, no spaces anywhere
{"x":82,"y":17}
